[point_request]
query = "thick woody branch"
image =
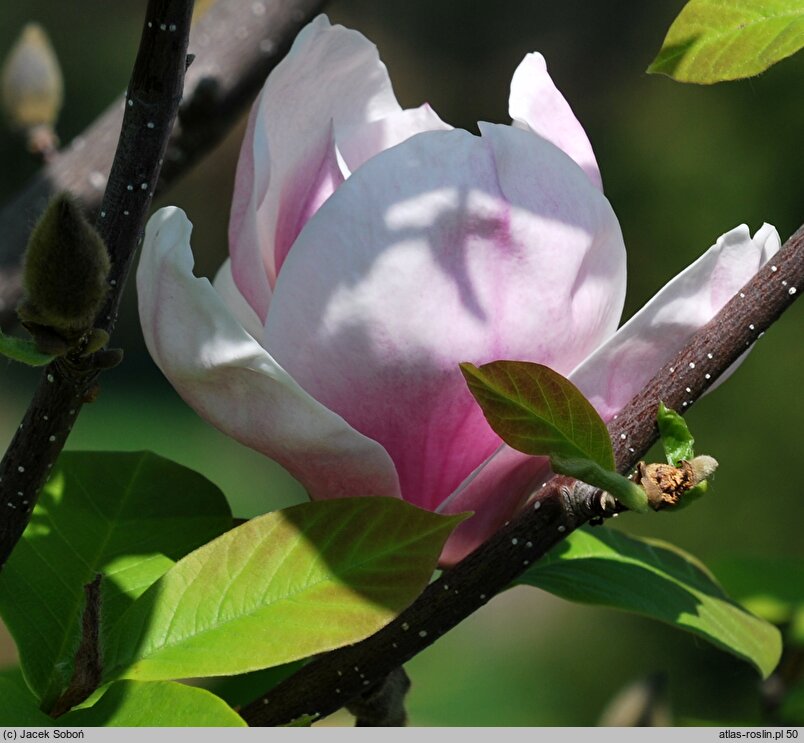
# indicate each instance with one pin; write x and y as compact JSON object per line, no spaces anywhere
{"x":237,"y":44}
{"x":332,"y":681}
{"x":152,"y":101}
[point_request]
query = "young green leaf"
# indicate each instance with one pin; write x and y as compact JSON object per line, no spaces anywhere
{"x":625,"y":490}
{"x":657,"y":580}
{"x":715,"y":40}
{"x":678,"y":443}
{"x":23,"y":350}
{"x":126,"y":515}
{"x":283,"y":586}
{"x":537,"y":411}
{"x":154,"y":704}
{"x":676,"y":437}
{"x":19,"y":707}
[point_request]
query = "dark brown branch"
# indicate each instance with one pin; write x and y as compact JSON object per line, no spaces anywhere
{"x":152,"y":101}
{"x":330,"y":682}
{"x":237,"y":44}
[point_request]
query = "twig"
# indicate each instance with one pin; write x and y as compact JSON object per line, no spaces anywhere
{"x":238,"y":43}
{"x":152,"y":101}
{"x":330,"y":682}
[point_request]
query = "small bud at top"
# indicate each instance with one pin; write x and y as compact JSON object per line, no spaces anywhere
{"x":65,"y":272}
{"x":32,"y":87}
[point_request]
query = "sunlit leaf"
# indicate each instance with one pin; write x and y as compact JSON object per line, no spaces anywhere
{"x":154,"y":704}
{"x":714,"y":40}
{"x":281,"y":587}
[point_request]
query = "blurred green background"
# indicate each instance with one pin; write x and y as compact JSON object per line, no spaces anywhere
{"x":680,"y":164}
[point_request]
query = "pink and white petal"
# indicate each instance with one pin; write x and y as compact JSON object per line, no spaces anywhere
{"x":318,"y":174}
{"x":459,"y":249}
{"x":332,"y":78}
{"x":241,"y":310}
{"x":536,"y":104}
{"x":246,"y":232}
{"x":358,"y":143}
{"x":231,"y":381}
{"x":617,"y":370}
{"x":495,"y":491}
{"x":591,"y":290}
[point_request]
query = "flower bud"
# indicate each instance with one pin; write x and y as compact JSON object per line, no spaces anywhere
{"x":66,"y":266}
{"x":32,"y":87}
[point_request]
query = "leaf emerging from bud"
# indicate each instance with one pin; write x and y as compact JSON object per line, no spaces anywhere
{"x":65,"y":272}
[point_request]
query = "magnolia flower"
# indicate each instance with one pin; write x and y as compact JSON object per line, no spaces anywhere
{"x":373,"y":249}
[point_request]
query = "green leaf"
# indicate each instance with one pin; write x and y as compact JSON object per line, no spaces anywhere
{"x":714,"y":40}
{"x":281,"y":587}
{"x":126,"y":515}
{"x":625,"y":490}
{"x":657,"y":580}
{"x":23,"y":350}
{"x":676,"y":437}
{"x":537,"y":411}
{"x":154,"y":704}
{"x":19,"y":707}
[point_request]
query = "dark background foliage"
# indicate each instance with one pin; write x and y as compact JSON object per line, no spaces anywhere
{"x":680,"y":164}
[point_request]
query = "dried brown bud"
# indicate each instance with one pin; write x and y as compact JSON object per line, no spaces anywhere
{"x":665,"y":484}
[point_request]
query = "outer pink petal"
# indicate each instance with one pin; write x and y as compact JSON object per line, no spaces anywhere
{"x":444,"y":249}
{"x":612,"y":375}
{"x":536,"y":104}
{"x":229,"y":379}
{"x":331,"y":82}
